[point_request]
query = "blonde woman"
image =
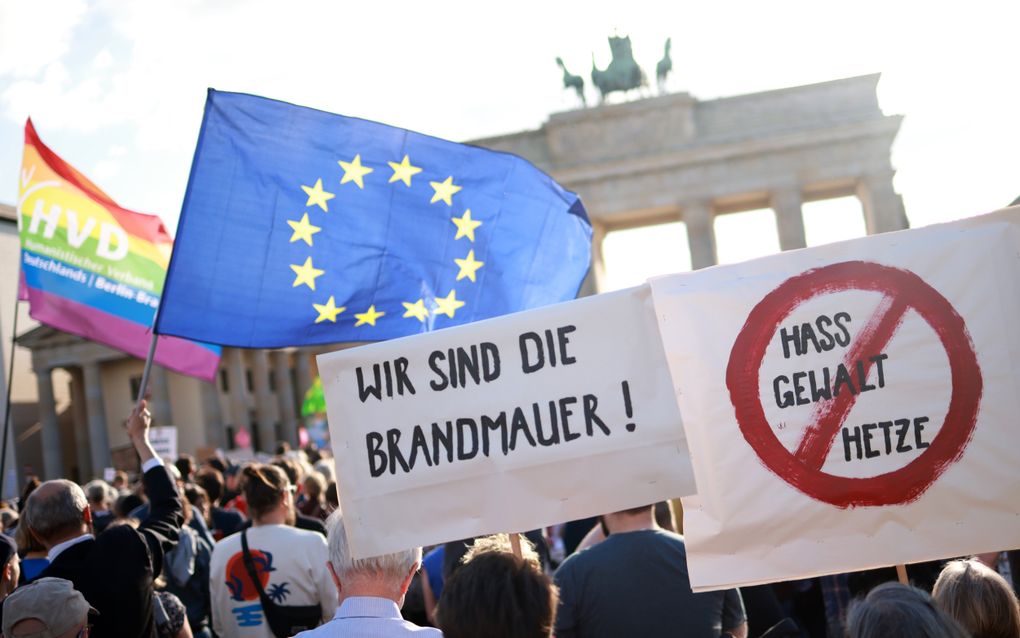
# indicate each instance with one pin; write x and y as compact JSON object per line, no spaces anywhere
{"x":979,"y":599}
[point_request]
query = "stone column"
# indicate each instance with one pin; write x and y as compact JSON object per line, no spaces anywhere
{"x":239,"y":416}
{"x":53,"y":464}
{"x":159,"y":402}
{"x":81,"y":428}
{"x":99,"y":441}
{"x":700,"y":234}
{"x":303,"y":366}
{"x":285,"y":397}
{"x":215,"y":432}
{"x":883,"y":206}
{"x":786,"y":204}
{"x":265,"y":408}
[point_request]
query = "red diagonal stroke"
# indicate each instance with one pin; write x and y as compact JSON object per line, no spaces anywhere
{"x":829,"y":416}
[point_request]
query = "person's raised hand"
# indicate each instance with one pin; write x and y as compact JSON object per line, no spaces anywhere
{"x":139,"y":421}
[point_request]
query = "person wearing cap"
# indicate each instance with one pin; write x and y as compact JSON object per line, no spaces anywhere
{"x":46,"y":608}
{"x":11,"y":571}
{"x":114,"y":571}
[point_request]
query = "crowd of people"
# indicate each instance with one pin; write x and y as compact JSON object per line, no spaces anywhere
{"x":211,"y":548}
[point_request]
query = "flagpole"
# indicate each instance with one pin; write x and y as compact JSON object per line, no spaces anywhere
{"x":9,"y":380}
{"x":143,"y":386}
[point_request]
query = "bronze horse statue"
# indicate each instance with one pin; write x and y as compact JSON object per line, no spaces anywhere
{"x":622,"y":74}
{"x":663,"y":68}
{"x":571,"y":81}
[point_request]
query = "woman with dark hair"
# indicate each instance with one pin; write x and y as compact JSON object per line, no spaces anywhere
{"x":893,"y":609}
{"x":289,"y":564}
{"x":979,"y":599}
{"x":497,"y":594}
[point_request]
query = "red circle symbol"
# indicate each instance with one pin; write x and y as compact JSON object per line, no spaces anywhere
{"x":902,"y":291}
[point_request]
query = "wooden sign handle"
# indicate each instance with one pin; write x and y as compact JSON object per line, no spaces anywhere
{"x":901,"y":574}
{"x":515,"y":544}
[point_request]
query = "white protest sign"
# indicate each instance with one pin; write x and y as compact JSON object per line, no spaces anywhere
{"x":850,"y":406}
{"x":164,"y":441}
{"x":504,"y":425}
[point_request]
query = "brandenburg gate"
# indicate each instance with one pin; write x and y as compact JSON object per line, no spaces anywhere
{"x":675,"y":158}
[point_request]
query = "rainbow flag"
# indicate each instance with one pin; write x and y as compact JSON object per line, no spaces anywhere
{"x":92,"y":268}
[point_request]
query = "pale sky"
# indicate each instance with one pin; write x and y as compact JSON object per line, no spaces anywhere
{"x":117,"y":88}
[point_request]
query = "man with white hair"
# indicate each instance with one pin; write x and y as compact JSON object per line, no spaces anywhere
{"x":371,"y":591}
{"x":100,"y":497}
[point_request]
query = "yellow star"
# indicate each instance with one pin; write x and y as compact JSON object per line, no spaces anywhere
{"x":403,"y":171}
{"x":416,"y":310}
{"x":354,"y":171}
{"x":448,"y":305}
{"x":327,"y":311}
{"x":317,"y":196}
{"x":444,"y":191}
{"x":302,"y":230}
{"x":465,"y":226}
{"x":306,"y":274}
{"x":369,"y":316}
{"x":468,"y":266}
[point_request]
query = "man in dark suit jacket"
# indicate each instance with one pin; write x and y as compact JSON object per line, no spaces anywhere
{"x":115,"y":570}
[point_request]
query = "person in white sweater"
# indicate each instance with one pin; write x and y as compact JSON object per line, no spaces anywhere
{"x":290,"y":564}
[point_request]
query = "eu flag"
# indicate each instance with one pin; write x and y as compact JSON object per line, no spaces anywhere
{"x":304,"y":227}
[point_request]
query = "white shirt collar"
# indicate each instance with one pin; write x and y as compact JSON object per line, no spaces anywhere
{"x":60,"y":547}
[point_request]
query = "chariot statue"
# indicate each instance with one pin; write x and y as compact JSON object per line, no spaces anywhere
{"x":622,"y":74}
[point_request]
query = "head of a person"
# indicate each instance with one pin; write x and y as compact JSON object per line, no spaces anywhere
{"x":628,"y":519}
{"x":197,"y":498}
{"x":387,"y":576}
{"x":326,"y":468}
{"x":212,"y":482}
{"x":186,"y":465}
{"x":268,"y":492}
{"x":58,"y":511}
{"x":332,"y":497}
{"x":49,"y":607}
{"x":215,"y":463}
{"x":125,"y":504}
{"x":894,"y":609}
{"x":120,"y":480}
{"x":495,"y":593}
{"x":291,"y":468}
{"x":11,"y":570}
{"x":978,"y":598}
{"x":31,"y":484}
{"x":314,"y":486}
{"x":8,"y":518}
{"x":232,"y":478}
{"x":26,"y":541}
{"x":98,"y":494}
{"x":312,"y":453}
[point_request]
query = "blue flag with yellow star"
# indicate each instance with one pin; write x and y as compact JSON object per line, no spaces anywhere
{"x":304,"y":227}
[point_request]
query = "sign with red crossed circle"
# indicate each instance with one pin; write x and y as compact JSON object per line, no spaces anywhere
{"x":901,"y":292}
